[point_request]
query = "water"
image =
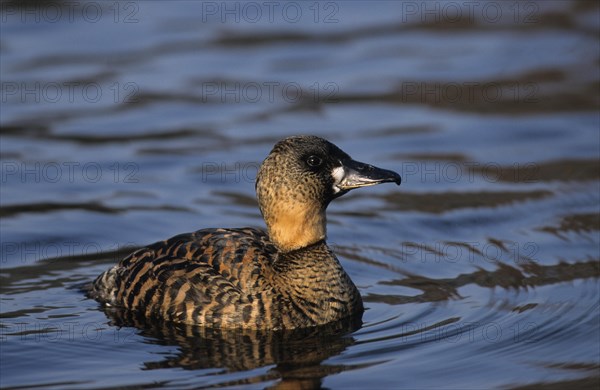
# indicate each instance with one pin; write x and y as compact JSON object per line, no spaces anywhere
{"x":126,"y":123}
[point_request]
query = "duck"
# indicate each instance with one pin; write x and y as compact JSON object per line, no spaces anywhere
{"x":284,"y":277}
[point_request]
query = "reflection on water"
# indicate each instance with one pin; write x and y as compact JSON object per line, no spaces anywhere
{"x":480,"y":271}
{"x":239,"y":350}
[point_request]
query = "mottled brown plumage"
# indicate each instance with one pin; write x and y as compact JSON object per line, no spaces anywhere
{"x":246,"y":278}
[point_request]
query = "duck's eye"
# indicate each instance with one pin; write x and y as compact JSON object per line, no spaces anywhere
{"x":314,"y":161}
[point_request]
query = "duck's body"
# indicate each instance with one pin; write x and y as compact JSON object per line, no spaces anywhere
{"x":232,"y":278}
{"x":245,"y":278}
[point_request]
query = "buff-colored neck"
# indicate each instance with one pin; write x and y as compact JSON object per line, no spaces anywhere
{"x":295,"y":226}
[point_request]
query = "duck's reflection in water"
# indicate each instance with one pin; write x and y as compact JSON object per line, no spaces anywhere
{"x":297,"y":355}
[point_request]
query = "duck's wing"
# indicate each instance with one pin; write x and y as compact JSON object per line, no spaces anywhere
{"x":190,"y":277}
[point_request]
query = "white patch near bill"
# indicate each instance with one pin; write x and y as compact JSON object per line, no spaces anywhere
{"x":338,"y":174}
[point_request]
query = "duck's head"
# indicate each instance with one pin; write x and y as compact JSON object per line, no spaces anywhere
{"x":297,"y":181}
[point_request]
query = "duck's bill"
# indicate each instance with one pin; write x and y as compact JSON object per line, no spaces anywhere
{"x":353,"y":174}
